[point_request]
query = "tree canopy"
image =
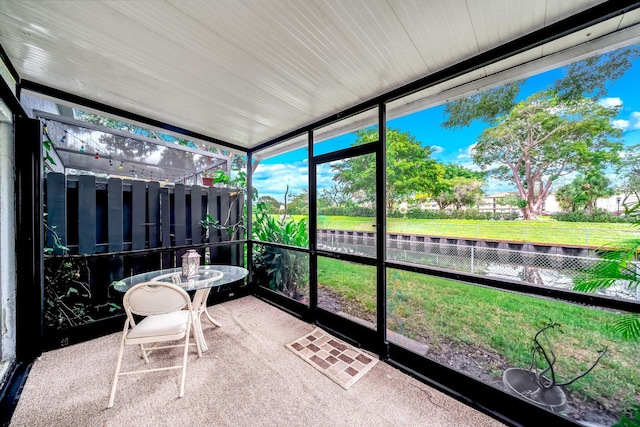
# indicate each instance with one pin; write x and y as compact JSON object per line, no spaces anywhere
{"x":628,"y":172}
{"x":554,"y":132}
{"x":544,"y":138}
{"x":410,"y":168}
{"x":584,"y":78}
{"x":584,"y":191}
{"x":461,"y":187}
{"x":270,"y":204}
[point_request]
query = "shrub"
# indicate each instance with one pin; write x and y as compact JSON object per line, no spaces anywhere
{"x":417,"y":213}
{"x":285,"y":270}
{"x":597,"y":215}
{"x":357,"y":211}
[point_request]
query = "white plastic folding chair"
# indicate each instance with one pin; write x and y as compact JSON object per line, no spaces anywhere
{"x":157,"y":312}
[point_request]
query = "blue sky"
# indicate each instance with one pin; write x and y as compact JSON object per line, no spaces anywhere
{"x":451,"y":146}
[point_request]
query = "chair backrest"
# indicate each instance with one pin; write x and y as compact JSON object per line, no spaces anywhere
{"x":149,"y":298}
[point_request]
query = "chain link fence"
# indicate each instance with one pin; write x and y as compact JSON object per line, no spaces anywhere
{"x":543,"y":266}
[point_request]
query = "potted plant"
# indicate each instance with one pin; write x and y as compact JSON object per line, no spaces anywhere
{"x":212,"y":177}
{"x":207,"y":178}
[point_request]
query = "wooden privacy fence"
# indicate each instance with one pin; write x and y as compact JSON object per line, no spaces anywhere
{"x":92,"y":215}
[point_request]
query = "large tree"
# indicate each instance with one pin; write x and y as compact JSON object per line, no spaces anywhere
{"x":519,"y":127}
{"x":271,"y":205}
{"x":410,"y":169}
{"x":336,"y":195}
{"x":460,"y":187}
{"x":544,"y":138}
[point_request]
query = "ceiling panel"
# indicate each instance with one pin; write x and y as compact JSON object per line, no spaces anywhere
{"x":248,"y":71}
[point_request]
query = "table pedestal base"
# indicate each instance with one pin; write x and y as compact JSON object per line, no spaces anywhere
{"x":199,"y":305}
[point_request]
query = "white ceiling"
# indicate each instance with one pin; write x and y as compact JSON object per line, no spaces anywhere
{"x":248,"y":71}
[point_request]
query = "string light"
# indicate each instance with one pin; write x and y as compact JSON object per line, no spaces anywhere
{"x":91,"y":145}
{"x":64,"y":139}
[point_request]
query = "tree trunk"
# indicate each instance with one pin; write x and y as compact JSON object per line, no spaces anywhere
{"x":529,"y":213}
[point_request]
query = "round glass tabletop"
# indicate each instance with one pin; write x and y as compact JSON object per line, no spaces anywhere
{"x":209,"y":276}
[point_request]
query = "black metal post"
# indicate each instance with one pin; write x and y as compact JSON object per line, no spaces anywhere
{"x":249,"y":203}
{"x":313,"y":231}
{"x":29,"y":239}
{"x":381,"y":230}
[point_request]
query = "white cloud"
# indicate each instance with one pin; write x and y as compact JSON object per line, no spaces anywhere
{"x":621,"y":124}
{"x":437,"y":149}
{"x":634,"y":120}
{"x":611,"y":102}
{"x":466,"y":153}
{"x":272,"y":179}
{"x":628,"y":125}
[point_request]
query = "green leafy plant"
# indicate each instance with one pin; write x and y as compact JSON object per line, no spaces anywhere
{"x":287,"y":271}
{"x":67,"y":295}
{"x":48,"y":146}
{"x":619,"y":265}
{"x":234,"y":229}
{"x":633,"y":420}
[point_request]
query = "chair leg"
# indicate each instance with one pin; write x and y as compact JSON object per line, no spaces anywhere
{"x":184,"y":359}
{"x":145,"y":353}
{"x":195,"y":318}
{"x":118,"y":366}
{"x":198,"y":333}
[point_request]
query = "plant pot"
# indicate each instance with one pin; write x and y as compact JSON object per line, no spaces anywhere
{"x":522,"y":382}
{"x":207,"y":182}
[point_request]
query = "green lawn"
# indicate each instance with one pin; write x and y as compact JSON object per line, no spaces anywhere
{"x":544,"y":230}
{"x":443,"y":312}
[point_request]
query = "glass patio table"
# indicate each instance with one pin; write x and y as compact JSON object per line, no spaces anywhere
{"x":209,"y":277}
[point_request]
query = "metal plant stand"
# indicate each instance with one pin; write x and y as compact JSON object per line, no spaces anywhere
{"x":540,"y":386}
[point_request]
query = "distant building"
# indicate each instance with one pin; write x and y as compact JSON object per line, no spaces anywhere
{"x":490,"y":204}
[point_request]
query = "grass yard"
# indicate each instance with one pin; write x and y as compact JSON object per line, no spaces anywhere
{"x":544,"y":230}
{"x":439,"y":312}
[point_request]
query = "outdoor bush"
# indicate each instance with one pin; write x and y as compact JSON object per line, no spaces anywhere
{"x":285,"y":270}
{"x":417,"y":213}
{"x":598,"y":215}
{"x":357,"y":211}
